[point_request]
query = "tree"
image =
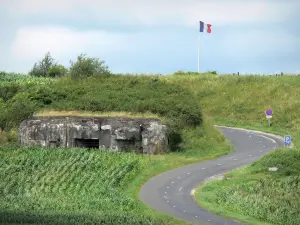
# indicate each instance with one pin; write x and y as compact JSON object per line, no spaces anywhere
{"x":47,"y":68}
{"x":41,"y":69}
{"x":87,"y":66}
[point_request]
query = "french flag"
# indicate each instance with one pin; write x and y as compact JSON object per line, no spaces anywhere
{"x":206,"y":27}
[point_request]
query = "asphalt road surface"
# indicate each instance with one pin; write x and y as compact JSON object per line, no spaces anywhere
{"x":171,"y":192}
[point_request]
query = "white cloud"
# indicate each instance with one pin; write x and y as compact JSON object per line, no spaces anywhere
{"x":256,"y":42}
{"x":185,"y":12}
{"x":32,"y":42}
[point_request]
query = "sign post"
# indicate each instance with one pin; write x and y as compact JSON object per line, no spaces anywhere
{"x":287,"y":140}
{"x":269,"y":114}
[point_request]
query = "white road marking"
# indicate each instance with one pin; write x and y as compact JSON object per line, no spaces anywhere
{"x":193,"y":191}
{"x":188,"y":173}
{"x":173,"y":182}
{"x":268,"y":138}
{"x":168,"y":187}
{"x":165,"y":192}
{"x":168,"y":201}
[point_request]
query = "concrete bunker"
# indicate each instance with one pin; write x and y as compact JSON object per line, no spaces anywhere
{"x":114,"y":133}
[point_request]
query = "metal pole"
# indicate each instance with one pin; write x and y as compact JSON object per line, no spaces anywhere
{"x":269,"y":122}
{"x":198,"y":53}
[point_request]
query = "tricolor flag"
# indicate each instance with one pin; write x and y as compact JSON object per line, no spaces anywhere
{"x":206,"y":27}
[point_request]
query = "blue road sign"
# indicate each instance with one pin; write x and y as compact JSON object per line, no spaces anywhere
{"x":287,"y":139}
{"x":269,"y":112}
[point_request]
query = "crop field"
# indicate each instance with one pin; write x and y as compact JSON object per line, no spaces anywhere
{"x":23,"y":79}
{"x":68,"y":183}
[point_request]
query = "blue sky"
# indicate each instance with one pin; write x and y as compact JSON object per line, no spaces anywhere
{"x":157,"y":36}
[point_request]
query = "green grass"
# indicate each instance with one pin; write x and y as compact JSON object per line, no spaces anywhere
{"x":54,"y":186}
{"x":42,"y":186}
{"x":252,"y":194}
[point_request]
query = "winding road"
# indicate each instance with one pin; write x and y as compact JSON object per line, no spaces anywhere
{"x":172,"y":192}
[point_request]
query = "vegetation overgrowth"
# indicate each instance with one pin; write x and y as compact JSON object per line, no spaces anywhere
{"x":253,"y":194}
{"x":229,"y":100}
{"x":192,"y":136}
{"x":105,"y":94}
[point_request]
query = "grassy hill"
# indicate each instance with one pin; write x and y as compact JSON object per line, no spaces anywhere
{"x":41,"y":186}
{"x":253,"y":194}
{"x":189,"y":104}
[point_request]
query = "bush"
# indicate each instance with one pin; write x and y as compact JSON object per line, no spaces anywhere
{"x":287,"y":160}
{"x":212,"y":72}
{"x":118,"y":93}
{"x":86,"y":66}
{"x":16,"y":110}
{"x":47,"y":68}
{"x":56,"y":71}
{"x":41,"y":68}
{"x":8,"y":90}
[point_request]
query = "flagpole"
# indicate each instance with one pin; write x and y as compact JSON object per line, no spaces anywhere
{"x":199,"y":53}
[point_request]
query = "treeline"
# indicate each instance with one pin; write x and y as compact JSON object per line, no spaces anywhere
{"x":83,"y":67}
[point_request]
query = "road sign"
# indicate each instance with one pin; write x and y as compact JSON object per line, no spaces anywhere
{"x":287,"y":139}
{"x":269,"y":113}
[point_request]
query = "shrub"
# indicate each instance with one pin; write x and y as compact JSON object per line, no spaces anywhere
{"x":41,"y":68}
{"x":47,"y":68}
{"x":178,"y":106}
{"x":8,"y":90}
{"x":56,"y":71}
{"x":16,"y":110}
{"x":86,"y":66}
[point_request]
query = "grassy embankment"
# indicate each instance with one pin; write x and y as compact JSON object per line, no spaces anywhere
{"x":252,"y":194}
{"x":39,"y":186}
